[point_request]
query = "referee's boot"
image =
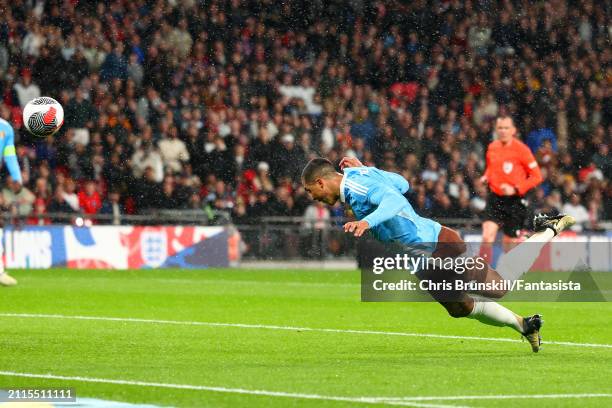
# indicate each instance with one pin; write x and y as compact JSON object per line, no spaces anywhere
{"x":556,"y":223}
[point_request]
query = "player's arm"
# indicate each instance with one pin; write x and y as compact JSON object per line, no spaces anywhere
{"x":10,"y":157}
{"x":389,"y":203}
{"x":398,"y":181}
{"x":534,"y":175}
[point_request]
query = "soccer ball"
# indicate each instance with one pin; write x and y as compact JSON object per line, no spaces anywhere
{"x":43,"y":116}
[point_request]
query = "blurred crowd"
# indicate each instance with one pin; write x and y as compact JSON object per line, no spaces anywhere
{"x":217,"y":104}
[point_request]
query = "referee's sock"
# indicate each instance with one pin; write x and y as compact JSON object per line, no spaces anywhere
{"x":515,"y":263}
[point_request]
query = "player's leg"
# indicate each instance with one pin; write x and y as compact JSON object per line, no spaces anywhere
{"x":514,"y":215}
{"x":5,"y":278}
{"x":509,"y":242}
{"x":460,"y":304}
{"x":519,"y":260}
{"x":494,"y":314}
{"x":492,"y":220}
{"x":513,"y":264}
{"x":489,"y":233}
{"x":490,"y":313}
{"x":450,"y":244}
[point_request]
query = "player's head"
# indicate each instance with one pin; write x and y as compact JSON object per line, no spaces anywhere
{"x":505,"y":129}
{"x":320,"y":179}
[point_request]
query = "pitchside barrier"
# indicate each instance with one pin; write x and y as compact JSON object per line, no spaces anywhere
{"x":119,"y":247}
{"x":188,"y":240}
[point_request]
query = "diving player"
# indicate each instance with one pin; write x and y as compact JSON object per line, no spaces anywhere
{"x":376,"y":198}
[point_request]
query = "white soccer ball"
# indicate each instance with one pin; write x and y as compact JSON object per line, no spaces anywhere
{"x":43,"y":116}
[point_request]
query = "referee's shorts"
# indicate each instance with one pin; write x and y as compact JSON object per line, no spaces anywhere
{"x":509,"y":212}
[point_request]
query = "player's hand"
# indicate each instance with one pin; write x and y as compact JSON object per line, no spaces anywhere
{"x":350,"y":162}
{"x":356,"y":227}
{"x":508,"y":189}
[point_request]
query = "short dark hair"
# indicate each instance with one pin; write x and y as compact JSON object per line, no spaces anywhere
{"x":506,"y":116}
{"x":317,"y":168}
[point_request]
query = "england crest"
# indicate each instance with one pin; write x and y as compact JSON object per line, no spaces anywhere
{"x":153,"y":247}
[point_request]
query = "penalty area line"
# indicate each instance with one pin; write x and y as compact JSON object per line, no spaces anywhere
{"x":292,"y":328}
{"x":265,"y":393}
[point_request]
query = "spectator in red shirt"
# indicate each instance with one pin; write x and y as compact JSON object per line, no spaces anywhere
{"x":89,"y":199}
{"x":40,"y":208}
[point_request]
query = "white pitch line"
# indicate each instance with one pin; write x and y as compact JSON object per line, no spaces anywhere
{"x":292,"y":328}
{"x":495,"y":397}
{"x":362,"y":400}
{"x":402,"y":401}
{"x":271,"y":283}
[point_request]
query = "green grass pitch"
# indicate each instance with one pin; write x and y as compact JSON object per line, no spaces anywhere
{"x":272,"y":359}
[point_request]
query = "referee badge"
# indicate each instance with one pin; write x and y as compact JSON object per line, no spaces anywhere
{"x":507,"y":167}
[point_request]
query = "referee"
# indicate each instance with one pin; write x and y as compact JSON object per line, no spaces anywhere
{"x":510,"y":173}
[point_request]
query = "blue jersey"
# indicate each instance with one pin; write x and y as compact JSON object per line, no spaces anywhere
{"x":376,"y":196}
{"x":7,"y":147}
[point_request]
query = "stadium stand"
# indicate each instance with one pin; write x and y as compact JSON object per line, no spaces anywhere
{"x":217,"y":105}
